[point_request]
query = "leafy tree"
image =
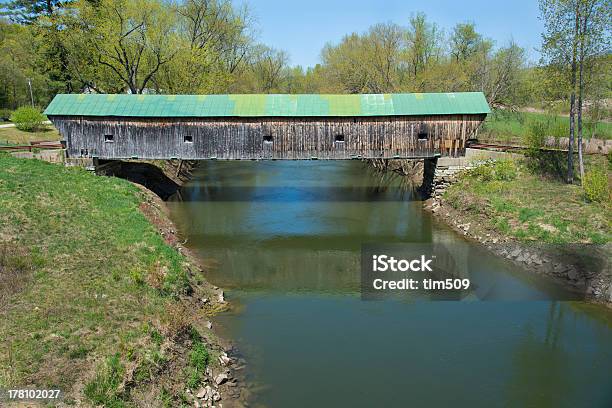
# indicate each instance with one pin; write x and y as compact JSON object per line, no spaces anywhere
{"x":345,"y":65}
{"x":593,"y":41}
{"x":575,"y":30}
{"x":19,"y":64}
{"x":384,"y":44}
{"x":560,"y":45}
{"x":270,"y":69}
{"x":448,"y":76}
{"x":500,"y":76}
{"x":423,"y":43}
{"x":311,"y":80}
{"x":28,"y":11}
{"x":214,"y":42}
{"x":368,"y":62}
{"x":465,"y":41}
{"x":130,"y":40}
{"x":297,"y":80}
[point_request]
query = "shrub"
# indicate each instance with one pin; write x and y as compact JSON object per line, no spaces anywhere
{"x":28,"y":119}
{"x":547,"y":163}
{"x":5,"y":114}
{"x":505,"y":170}
{"x":535,"y":136}
{"x":176,"y":321}
{"x":595,"y":185}
{"x":483,"y":172}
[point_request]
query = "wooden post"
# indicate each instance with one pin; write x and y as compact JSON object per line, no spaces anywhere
{"x":178,"y":168}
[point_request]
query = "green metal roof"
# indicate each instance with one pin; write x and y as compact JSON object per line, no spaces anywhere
{"x":268,"y":105}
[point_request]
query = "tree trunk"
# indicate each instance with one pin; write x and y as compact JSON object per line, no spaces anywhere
{"x":15,"y":104}
{"x":570,"y":146}
{"x":580,"y":93}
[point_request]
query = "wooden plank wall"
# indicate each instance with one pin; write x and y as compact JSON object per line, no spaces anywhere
{"x":244,"y":138}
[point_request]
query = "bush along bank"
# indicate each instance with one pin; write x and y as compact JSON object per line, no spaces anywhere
{"x":99,"y":299}
{"x":535,"y":220}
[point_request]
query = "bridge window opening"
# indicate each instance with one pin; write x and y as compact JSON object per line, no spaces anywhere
{"x":423,"y":136}
{"x":188,"y":139}
{"x":339,"y":138}
{"x":109,"y":138}
{"x":267,"y":139}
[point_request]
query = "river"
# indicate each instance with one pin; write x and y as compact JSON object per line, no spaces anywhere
{"x":283,"y":239}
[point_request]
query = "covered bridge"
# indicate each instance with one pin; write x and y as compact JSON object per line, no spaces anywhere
{"x":196,"y":127}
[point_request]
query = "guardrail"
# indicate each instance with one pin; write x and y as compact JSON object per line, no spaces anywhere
{"x":508,"y":147}
{"x":42,"y":144}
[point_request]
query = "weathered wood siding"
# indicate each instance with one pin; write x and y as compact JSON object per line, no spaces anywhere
{"x":245,"y":138}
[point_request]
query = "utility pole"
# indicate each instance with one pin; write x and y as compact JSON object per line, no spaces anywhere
{"x":31,"y":95}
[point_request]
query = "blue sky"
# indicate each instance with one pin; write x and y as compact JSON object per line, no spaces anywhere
{"x":303,"y":27}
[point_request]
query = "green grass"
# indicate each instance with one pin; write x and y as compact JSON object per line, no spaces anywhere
{"x":12,"y":135}
{"x":86,"y":255}
{"x":103,"y":389}
{"x":533,"y":208}
{"x":198,"y":360}
{"x":509,"y":127}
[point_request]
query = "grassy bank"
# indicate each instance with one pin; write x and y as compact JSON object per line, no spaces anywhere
{"x":92,"y":299}
{"x":509,"y":127}
{"x":510,"y":200}
{"x":12,"y":135}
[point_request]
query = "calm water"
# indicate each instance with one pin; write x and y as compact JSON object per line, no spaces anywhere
{"x":285,"y":238}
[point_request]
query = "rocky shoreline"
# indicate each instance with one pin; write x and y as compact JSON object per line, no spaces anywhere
{"x":549,"y":260}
